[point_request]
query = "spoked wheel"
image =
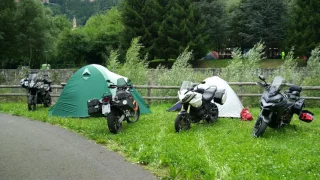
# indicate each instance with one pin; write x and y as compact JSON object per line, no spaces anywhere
{"x":31,"y":107}
{"x":182,"y":123}
{"x":47,"y":100}
{"x":213,"y":117}
{"x":259,"y":127}
{"x":135,"y":114}
{"x":113,"y":122}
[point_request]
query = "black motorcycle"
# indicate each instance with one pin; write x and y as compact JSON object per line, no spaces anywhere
{"x":121,"y":108}
{"x":277,"y":108}
{"x":38,"y":91}
{"x":197,"y":103}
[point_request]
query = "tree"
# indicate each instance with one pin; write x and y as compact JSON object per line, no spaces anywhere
{"x":257,"y":20}
{"x":103,"y":37}
{"x":93,"y":42}
{"x":72,"y":48}
{"x":304,"y":32}
{"x":213,"y":12}
{"x":133,"y":21}
{"x":8,"y":29}
{"x":182,"y":27}
{"x":32,"y":32}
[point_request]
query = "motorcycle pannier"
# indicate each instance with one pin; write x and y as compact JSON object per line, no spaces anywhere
{"x":306,"y":116}
{"x":297,"y":107}
{"x":93,"y":105}
{"x":219,"y":97}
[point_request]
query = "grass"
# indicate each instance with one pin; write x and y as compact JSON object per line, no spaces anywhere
{"x":265,"y":63}
{"x":224,"y":150}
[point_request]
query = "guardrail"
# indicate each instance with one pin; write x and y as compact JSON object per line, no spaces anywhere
{"x":149,"y":88}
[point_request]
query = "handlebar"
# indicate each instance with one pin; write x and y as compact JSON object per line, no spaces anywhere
{"x":112,"y":86}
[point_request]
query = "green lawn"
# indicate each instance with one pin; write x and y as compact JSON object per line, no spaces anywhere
{"x":224,"y":150}
{"x":265,"y":63}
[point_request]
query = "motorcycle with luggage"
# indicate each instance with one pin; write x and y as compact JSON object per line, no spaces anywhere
{"x":121,"y":107}
{"x":277,"y":107}
{"x":198,"y":103}
{"x":38,"y":90}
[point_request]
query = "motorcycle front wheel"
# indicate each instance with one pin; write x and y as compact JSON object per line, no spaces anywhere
{"x":47,"y":100}
{"x":134,"y":117}
{"x":214,"y":113}
{"x":259,"y":127}
{"x":31,"y":107}
{"x":113,"y":122}
{"x":182,"y":123}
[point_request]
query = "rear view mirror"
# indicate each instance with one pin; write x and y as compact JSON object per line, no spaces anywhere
{"x":262,"y":78}
{"x":203,"y":82}
{"x":108,"y":81}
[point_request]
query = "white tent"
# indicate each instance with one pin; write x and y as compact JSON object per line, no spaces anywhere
{"x":233,"y":106}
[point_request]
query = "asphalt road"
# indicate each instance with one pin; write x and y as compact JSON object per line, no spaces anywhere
{"x":33,"y":150}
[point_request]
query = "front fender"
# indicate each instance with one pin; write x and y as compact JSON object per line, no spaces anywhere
{"x":182,"y":113}
{"x":32,"y":99}
{"x":266,"y":116}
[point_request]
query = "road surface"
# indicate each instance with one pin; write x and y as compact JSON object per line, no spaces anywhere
{"x":33,"y":150}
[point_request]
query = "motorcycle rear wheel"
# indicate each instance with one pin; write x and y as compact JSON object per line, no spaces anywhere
{"x":32,"y":107}
{"x":113,"y":122}
{"x":134,"y":116}
{"x":259,"y":127}
{"x":181,"y":123}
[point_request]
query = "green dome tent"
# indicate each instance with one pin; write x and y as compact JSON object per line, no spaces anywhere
{"x":89,"y":82}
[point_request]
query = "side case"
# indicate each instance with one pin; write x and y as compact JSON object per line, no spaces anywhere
{"x":93,"y":106}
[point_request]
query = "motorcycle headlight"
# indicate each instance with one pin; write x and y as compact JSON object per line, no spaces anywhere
{"x":187,"y":98}
{"x":31,"y":84}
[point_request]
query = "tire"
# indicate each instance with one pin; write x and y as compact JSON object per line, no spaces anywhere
{"x":259,"y":127}
{"x":214,"y":116}
{"x":135,"y":116}
{"x":47,"y":100}
{"x":32,"y":107}
{"x":113,"y":122}
{"x":181,"y":123}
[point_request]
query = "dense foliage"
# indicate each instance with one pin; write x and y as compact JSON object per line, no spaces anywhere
{"x":33,"y":33}
{"x":305,"y":26}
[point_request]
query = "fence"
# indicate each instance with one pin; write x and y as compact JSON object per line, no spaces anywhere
{"x":241,"y":91}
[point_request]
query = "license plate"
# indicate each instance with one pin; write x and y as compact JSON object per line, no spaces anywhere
{"x":105,"y":109}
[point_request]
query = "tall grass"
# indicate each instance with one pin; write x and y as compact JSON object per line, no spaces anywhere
{"x":224,"y":150}
{"x":181,"y":71}
{"x":135,"y":66}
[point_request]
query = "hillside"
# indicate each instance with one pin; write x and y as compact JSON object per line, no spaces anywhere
{"x":82,"y":10}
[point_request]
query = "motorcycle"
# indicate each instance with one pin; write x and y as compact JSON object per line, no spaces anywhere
{"x":38,"y":91}
{"x":197,"y":102}
{"x":277,"y":108}
{"x":121,"y":107}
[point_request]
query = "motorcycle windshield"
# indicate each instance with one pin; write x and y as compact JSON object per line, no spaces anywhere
{"x":33,"y":77}
{"x":186,"y":85}
{"x":276,"y":84}
{"x":121,"y":82}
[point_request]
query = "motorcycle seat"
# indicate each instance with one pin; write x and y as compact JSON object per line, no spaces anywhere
{"x":208,"y":93}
